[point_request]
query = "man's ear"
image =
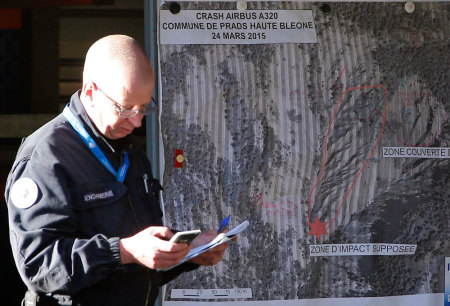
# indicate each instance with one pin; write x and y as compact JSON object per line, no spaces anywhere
{"x":88,"y":91}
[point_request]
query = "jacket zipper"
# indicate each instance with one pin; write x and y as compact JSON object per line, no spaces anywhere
{"x":136,"y":223}
{"x":149,"y":289}
{"x":139,"y":226}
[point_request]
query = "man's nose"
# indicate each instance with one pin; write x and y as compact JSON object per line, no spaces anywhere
{"x":136,"y":121}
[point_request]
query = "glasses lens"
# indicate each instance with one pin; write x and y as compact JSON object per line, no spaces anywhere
{"x":128,"y":113}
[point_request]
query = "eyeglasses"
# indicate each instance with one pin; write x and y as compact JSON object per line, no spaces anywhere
{"x":129,"y":113}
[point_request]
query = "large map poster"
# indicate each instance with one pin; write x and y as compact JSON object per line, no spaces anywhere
{"x":336,"y":150}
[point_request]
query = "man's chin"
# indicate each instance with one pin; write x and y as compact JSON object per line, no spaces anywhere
{"x":123,"y":133}
{"x":114,"y":136}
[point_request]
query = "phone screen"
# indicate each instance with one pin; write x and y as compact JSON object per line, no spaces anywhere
{"x":185,"y":237}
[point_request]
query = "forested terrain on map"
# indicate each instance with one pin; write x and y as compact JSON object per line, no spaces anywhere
{"x":291,"y":137}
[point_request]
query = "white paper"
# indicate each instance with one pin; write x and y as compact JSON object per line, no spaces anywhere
{"x":220,"y":239}
{"x":236,"y":27}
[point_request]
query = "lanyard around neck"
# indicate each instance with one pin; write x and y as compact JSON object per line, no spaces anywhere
{"x":89,"y":141}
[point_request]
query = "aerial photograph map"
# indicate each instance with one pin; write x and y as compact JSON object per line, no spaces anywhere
{"x":336,"y":151}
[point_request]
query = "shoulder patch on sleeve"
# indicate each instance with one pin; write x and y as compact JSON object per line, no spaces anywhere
{"x":24,"y":193}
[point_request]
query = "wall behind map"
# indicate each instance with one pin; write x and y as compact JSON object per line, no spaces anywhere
{"x":283,"y":134}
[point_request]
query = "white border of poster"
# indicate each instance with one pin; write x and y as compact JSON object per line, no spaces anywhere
{"x":162,"y":1}
{"x":404,"y":300}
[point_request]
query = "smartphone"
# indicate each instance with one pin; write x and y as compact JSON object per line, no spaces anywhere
{"x":185,"y":237}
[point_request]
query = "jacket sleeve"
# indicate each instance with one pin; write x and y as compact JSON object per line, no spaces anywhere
{"x":47,"y":252}
{"x":171,"y":274}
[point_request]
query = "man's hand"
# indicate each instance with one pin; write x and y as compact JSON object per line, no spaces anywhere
{"x":213,"y":256}
{"x":151,"y":248}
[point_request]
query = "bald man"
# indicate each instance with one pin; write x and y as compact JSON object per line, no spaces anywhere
{"x":84,"y":214}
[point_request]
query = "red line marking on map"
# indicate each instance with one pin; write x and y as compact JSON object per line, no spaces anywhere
{"x":429,"y":143}
{"x":319,"y":228}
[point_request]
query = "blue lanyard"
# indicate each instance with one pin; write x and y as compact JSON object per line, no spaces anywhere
{"x":120,"y":175}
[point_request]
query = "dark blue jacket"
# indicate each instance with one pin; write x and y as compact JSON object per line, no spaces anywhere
{"x":66,"y":244}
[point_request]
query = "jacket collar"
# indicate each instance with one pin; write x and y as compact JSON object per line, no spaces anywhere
{"x":78,"y":110}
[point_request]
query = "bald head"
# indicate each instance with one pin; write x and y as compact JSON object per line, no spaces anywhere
{"x":117,"y":75}
{"x":117,"y":63}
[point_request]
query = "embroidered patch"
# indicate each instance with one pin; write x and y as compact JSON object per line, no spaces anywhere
{"x":24,"y":192}
{"x":98,"y":196}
